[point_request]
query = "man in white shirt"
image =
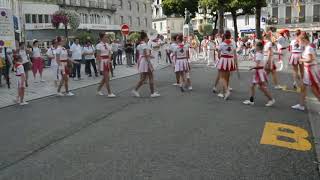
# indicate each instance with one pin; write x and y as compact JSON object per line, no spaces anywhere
{"x":51,"y":53}
{"x":76,"y":51}
{"x":90,"y":60}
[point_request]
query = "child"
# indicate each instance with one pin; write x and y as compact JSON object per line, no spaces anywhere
{"x":21,"y":80}
{"x":259,"y":77}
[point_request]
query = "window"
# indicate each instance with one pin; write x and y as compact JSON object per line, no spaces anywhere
{"x":146,"y":22}
{"x":28,"y":18}
{"x":46,"y":18}
{"x":121,"y":20}
{"x":138,"y":7}
{"x":120,"y":4}
{"x":34,"y":18}
{"x":145,"y":7}
{"x":108,"y":19}
{"x":288,"y":14}
{"x":316,"y":11}
{"x":302,"y":17}
{"x":247,"y":20}
{"x":130,"y":20}
{"x":138,"y":21}
{"x":40,"y":18}
{"x":154,"y":26}
{"x":130,"y":5}
{"x":275,"y":12}
{"x":161,"y":26}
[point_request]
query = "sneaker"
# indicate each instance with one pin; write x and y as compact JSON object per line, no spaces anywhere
{"x":230,"y":88}
{"x":270,"y":103}
{"x":42,"y":80}
{"x":69,"y":94}
{"x":181,"y":89}
{"x":175,"y":84}
{"x":220,"y":95}
{"x":100,"y":93}
{"x":24,"y":103}
{"x":60,"y":94}
{"x":214,"y":90}
{"x":298,"y":107}
{"x":190,"y":88}
{"x":154,"y":95}
{"x":111,"y":95}
{"x":227,"y":95}
{"x":248,"y":102}
{"x":135,"y":93}
{"x":277,"y":87}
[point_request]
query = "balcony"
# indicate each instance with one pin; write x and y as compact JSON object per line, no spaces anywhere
{"x":92,"y":4}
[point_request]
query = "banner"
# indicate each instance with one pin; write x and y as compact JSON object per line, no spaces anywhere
{"x":7,"y":38}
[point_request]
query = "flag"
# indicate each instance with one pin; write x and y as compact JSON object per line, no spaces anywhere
{"x":296,"y":4}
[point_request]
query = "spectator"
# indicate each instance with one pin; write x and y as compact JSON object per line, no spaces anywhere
{"x":76,"y":51}
{"x":25,"y":60}
{"x":120,"y":49}
{"x":37,"y":61}
{"x":88,"y":52}
{"x":129,"y":53}
{"x":114,"y":48}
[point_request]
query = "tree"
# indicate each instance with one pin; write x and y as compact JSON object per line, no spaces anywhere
{"x":258,"y":6}
{"x":177,"y":7}
{"x":217,"y":6}
{"x":67,"y":18}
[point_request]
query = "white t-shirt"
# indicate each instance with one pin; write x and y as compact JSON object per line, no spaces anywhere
{"x":267,"y":47}
{"x":104,"y":48}
{"x":204,"y":43}
{"x":36,"y":52}
{"x":142,"y":47}
{"x":76,"y":51}
{"x":259,"y":59}
{"x":62,"y":52}
{"x":173,"y":46}
{"x":181,"y":51}
{"x":307,"y":51}
{"x":19,"y":70}
{"x":88,"y":49}
{"x":52,"y":53}
{"x":282,"y":42}
{"x":227,"y":48}
{"x":24,"y":56}
{"x":211,"y":45}
{"x":295,"y":47}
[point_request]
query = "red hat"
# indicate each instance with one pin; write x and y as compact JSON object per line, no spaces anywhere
{"x":283,"y":31}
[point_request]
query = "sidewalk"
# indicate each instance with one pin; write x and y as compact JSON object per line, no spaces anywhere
{"x":44,"y":89}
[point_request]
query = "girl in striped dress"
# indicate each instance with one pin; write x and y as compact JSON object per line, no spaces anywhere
{"x":182,"y":65}
{"x":297,"y":65}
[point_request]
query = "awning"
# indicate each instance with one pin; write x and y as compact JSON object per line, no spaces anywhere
{"x":247,"y":30}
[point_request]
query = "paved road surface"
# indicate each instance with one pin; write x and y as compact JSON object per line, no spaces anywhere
{"x":192,"y":135}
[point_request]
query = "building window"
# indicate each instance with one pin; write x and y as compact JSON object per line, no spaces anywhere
{"x":121,"y":20}
{"x":145,"y":7}
{"x":247,"y":20}
{"x":161,"y":26}
{"x":108,"y":19}
{"x":302,"y":17}
{"x":34,"y":18}
{"x":46,"y":18}
{"x":40,"y":17}
{"x":275,"y":12}
{"x":288,"y":15}
{"x":316,"y":11}
{"x":28,"y":18}
{"x":138,"y":20}
{"x":138,"y":7}
{"x":154,"y":26}
{"x":120,"y":4}
{"x":146,"y":22}
{"x":130,"y":5}
{"x":130,"y":20}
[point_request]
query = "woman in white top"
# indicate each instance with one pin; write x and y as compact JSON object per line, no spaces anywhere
{"x":104,"y":57}
{"x":311,"y":76}
{"x":51,"y":53}
{"x":23,"y":52}
{"x":37,"y":60}
{"x":297,"y":65}
{"x":62,"y":57}
{"x":88,"y":52}
{"x":145,"y":66}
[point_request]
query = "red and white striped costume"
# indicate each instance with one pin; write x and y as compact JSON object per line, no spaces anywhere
{"x":226,"y":61}
{"x":19,"y":73}
{"x":63,"y":53}
{"x":260,"y":75}
{"x":181,"y":52}
{"x":296,"y":53}
{"x":311,"y":72}
{"x":172,"y":47}
{"x":145,"y":64}
{"x":105,"y":56}
{"x":266,"y":48}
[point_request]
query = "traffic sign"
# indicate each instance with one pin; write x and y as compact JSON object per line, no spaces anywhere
{"x":125,"y":29}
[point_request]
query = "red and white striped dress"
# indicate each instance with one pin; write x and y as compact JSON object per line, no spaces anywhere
{"x":259,"y":75}
{"x":226,"y":61}
{"x":296,"y":53}
{"x":105,"y":55}
{"x":181,"y":53}
{"x":311,"y":72}
{"x":266,"y":48}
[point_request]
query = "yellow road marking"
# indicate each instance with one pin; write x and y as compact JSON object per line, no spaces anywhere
{"x":274,"y":131}
{"x":285,"y":88}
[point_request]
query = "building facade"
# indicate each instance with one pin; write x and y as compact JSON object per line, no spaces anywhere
{"x":304,"y":15}
{"x":163,"y":25}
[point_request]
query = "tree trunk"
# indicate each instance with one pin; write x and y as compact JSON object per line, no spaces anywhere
{"x":221,"y":19}
{"x":258,"y":19}
{"x":235,"y":25}
{"x":66,"y":32}
{"x":216,"y":20}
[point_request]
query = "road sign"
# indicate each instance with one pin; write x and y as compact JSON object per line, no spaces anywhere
{"x":125,"y":29}
{"x":6,"y":28}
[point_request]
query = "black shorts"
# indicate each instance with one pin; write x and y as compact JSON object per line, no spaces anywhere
{"x":27,"y":66}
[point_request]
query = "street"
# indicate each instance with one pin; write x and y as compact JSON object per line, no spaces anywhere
{"x":191,"y":135}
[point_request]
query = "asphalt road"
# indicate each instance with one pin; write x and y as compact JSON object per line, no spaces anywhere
{"x":179,"y":136}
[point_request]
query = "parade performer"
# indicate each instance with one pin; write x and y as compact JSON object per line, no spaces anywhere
{"x":297,"y":65}
{"x":51,"y":53}
{"x":37,"y":60}
{"x":104,"y":53}
{"x":204,"y":45}
{"x":211,"y":51}
{"x":62,"y":58}
{"x":172,"y":47}
{"x":193,"y":48}
{"x":145,"y":66}
{"x":227,"y":62}
{"x":156,"y":44}
{"x":182,"y":65}
{"x":270,"y":66}
{"x":23,"y":52}
{"x":283,"y":45}
{"x":21,"y":79}
{"x":311,"y":77}
{"x":259,"y":77}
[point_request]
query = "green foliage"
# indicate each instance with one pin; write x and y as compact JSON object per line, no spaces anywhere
{"x":171,"y":7}
{"x":205,"y":29}
{"x":134,"y":37}
{"x":84,"y":36}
